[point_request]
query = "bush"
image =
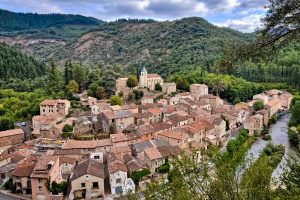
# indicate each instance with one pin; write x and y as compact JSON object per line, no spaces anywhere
{"x":293,"y":138}
{"x":57,"y":188}
{"x":137,"y":175}
{"x":158,"y":87}
{"x":138,"y":94}
{"x":273,"y":119}
{"x":258,"y":105}
{"x":67,"y":128}
{"x":115,"y":100}
{"x":165,"y":168}
{"x":10,"y":186}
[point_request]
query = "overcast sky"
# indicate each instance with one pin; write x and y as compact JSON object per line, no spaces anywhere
{"x":243,"y":15}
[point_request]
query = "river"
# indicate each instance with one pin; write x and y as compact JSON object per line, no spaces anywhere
{"x":278,"y":132}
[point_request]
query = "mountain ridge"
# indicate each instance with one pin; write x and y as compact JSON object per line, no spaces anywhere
{"x":164,"y":47}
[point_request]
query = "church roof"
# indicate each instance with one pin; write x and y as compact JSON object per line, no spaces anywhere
{"x":144,"y":69}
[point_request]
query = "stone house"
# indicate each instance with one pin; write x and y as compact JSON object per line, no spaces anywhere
{"x":274,"y":106}
{"x":198,"y":90}
{"x":42,"y":124}
{"x":285,"y":99}
{"x":203,"y":128}
{"x":262,"y":97}
{"x":120,"y":139}
{"x":157,"y":156}
{"x":97,"y":156}
{"x":98,"y":108}
{"x":177,"y":120}
{"x":45,"y":171}
{"x":120,"y":184}
{"x":220,"y":129}
{"x":254,"y":124}
{"x":87,"y":180}
{"x":214,"y":101}
{"x":87,"y":100}
{"x":11,"y":137}
{"x":66,"y":167}
{"x":59,"y":108}
{"x":169,"y":88}
{"x":21,"y":176}
{"x":147,"y":100}
{"x":88,"y":146}
{"x":176,"y":137}
{"x":265,"y":113}
{"x":174,"y":100}
{"x":156,"y":115}
{"x":116,"y":122}
{"x":121,"y":86}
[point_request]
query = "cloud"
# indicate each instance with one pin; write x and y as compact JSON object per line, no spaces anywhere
{"x":224,"y":12}
{"x":244,"y":24}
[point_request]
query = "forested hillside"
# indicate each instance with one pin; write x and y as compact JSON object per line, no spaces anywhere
{"x":15,"y":64}
{"x":285,"y":67}
{"x":164,"y":47}
{"x":10,"y":21}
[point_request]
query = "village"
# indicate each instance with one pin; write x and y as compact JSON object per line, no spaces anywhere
{"x":120,"y":149}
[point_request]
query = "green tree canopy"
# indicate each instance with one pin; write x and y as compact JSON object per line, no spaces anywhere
{"x":72,"y":87}
{"x":258,"y":105}
{"x":132,"y":81}
{"x":115,"y":100}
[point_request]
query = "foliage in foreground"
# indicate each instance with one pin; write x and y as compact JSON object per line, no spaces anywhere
{"x":216,"y":178}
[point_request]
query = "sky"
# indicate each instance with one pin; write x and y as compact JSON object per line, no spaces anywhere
{"x":242,"y":15}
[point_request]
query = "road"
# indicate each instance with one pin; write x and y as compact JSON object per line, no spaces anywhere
{"x":7,"y":197}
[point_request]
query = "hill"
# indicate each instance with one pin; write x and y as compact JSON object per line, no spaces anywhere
{"x":164,"y":47}
{"x":11,"y":21}
{"x":15,"y":64}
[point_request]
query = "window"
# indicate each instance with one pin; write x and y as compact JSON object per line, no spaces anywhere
{"x":95,"y":185}
{"x":40,"y":188}
{"x":40,"y":180}
{"x":96,"y":157}
{"x":82,"y":185}
{"x":118,"y":180}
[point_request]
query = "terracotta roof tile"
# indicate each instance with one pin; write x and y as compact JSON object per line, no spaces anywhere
{"x":88,"y":166}
{"x":11,"y":132}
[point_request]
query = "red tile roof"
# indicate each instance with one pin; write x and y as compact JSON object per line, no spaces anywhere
{"x":11,"y":132}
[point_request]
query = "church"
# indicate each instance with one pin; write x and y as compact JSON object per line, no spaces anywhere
{"x":149,"y":80}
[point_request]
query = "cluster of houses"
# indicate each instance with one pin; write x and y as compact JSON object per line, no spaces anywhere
{"x":140,"y":137}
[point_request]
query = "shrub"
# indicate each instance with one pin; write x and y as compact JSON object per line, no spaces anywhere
{"x":115,"y":100}
{"x":158,"y":87}
{"x":165,"y":168}
{"x":273,"y":119}
{"x":258,"y":105}
{"x":293,"y":138}
{"x":137,"y":175}
{"x":67,"y":128}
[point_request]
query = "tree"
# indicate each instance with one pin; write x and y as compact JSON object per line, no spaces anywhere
{"x":258,"y":105}
{"x":158,"y":87}
{"x":137,"y":175}
{"x":115,"y":100}
{"x":282,"y":22}
{"x":293,"y":138}
{"x":101,"y":94}
{"x":67,"y":128}
{"x":132,"y":81}
{"x":72,"y":87}
{"x":138,"y":94}
{"x":54,"y":80}
{"x":6,"y":123}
